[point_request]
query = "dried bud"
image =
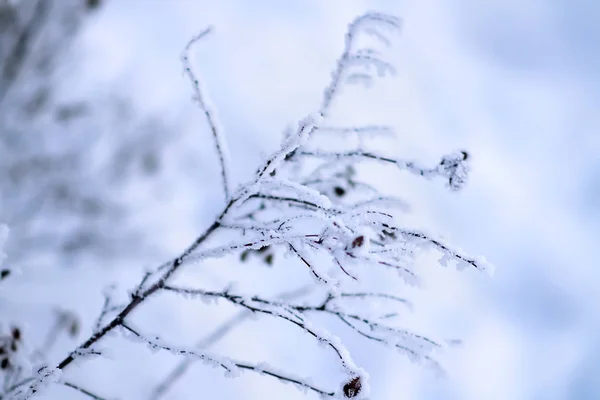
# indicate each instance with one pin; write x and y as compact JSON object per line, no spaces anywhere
{"x":455,"y":168}
{"x":92,"y":4}
{"x":358,"y":241}
{"x":353,"y":387}
{"x":74,"y":328}
{"x":339,"y":191}
{"x":269,"y":259}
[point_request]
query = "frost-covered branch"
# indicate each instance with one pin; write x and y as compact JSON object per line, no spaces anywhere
{"x":201,"y":97}
{"x":373,"y":24}
{"x":307,"y":201}
{"x":453,"y":167}
{"x":232,"y":367}
{"x":218,"y":334}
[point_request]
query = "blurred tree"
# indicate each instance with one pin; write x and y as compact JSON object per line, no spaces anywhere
{"x":64,"y":163}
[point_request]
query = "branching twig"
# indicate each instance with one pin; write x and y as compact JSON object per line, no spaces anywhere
{"x":229,"y":365}
{"x":219,"y":333}
{"x":289,"y":203}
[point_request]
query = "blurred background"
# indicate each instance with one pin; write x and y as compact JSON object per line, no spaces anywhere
{"x":106,"y":166}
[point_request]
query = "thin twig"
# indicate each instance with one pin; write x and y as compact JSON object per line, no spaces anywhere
{"x":202,"y":98}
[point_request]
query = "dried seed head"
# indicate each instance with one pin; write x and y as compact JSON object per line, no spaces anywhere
{"x":353,"y":387}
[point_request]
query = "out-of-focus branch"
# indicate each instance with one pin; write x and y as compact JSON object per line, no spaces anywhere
{"x":83,"y":391}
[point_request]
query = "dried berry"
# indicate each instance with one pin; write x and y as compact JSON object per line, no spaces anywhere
{"x":358,"y":241}
{"x":352,"y":388}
